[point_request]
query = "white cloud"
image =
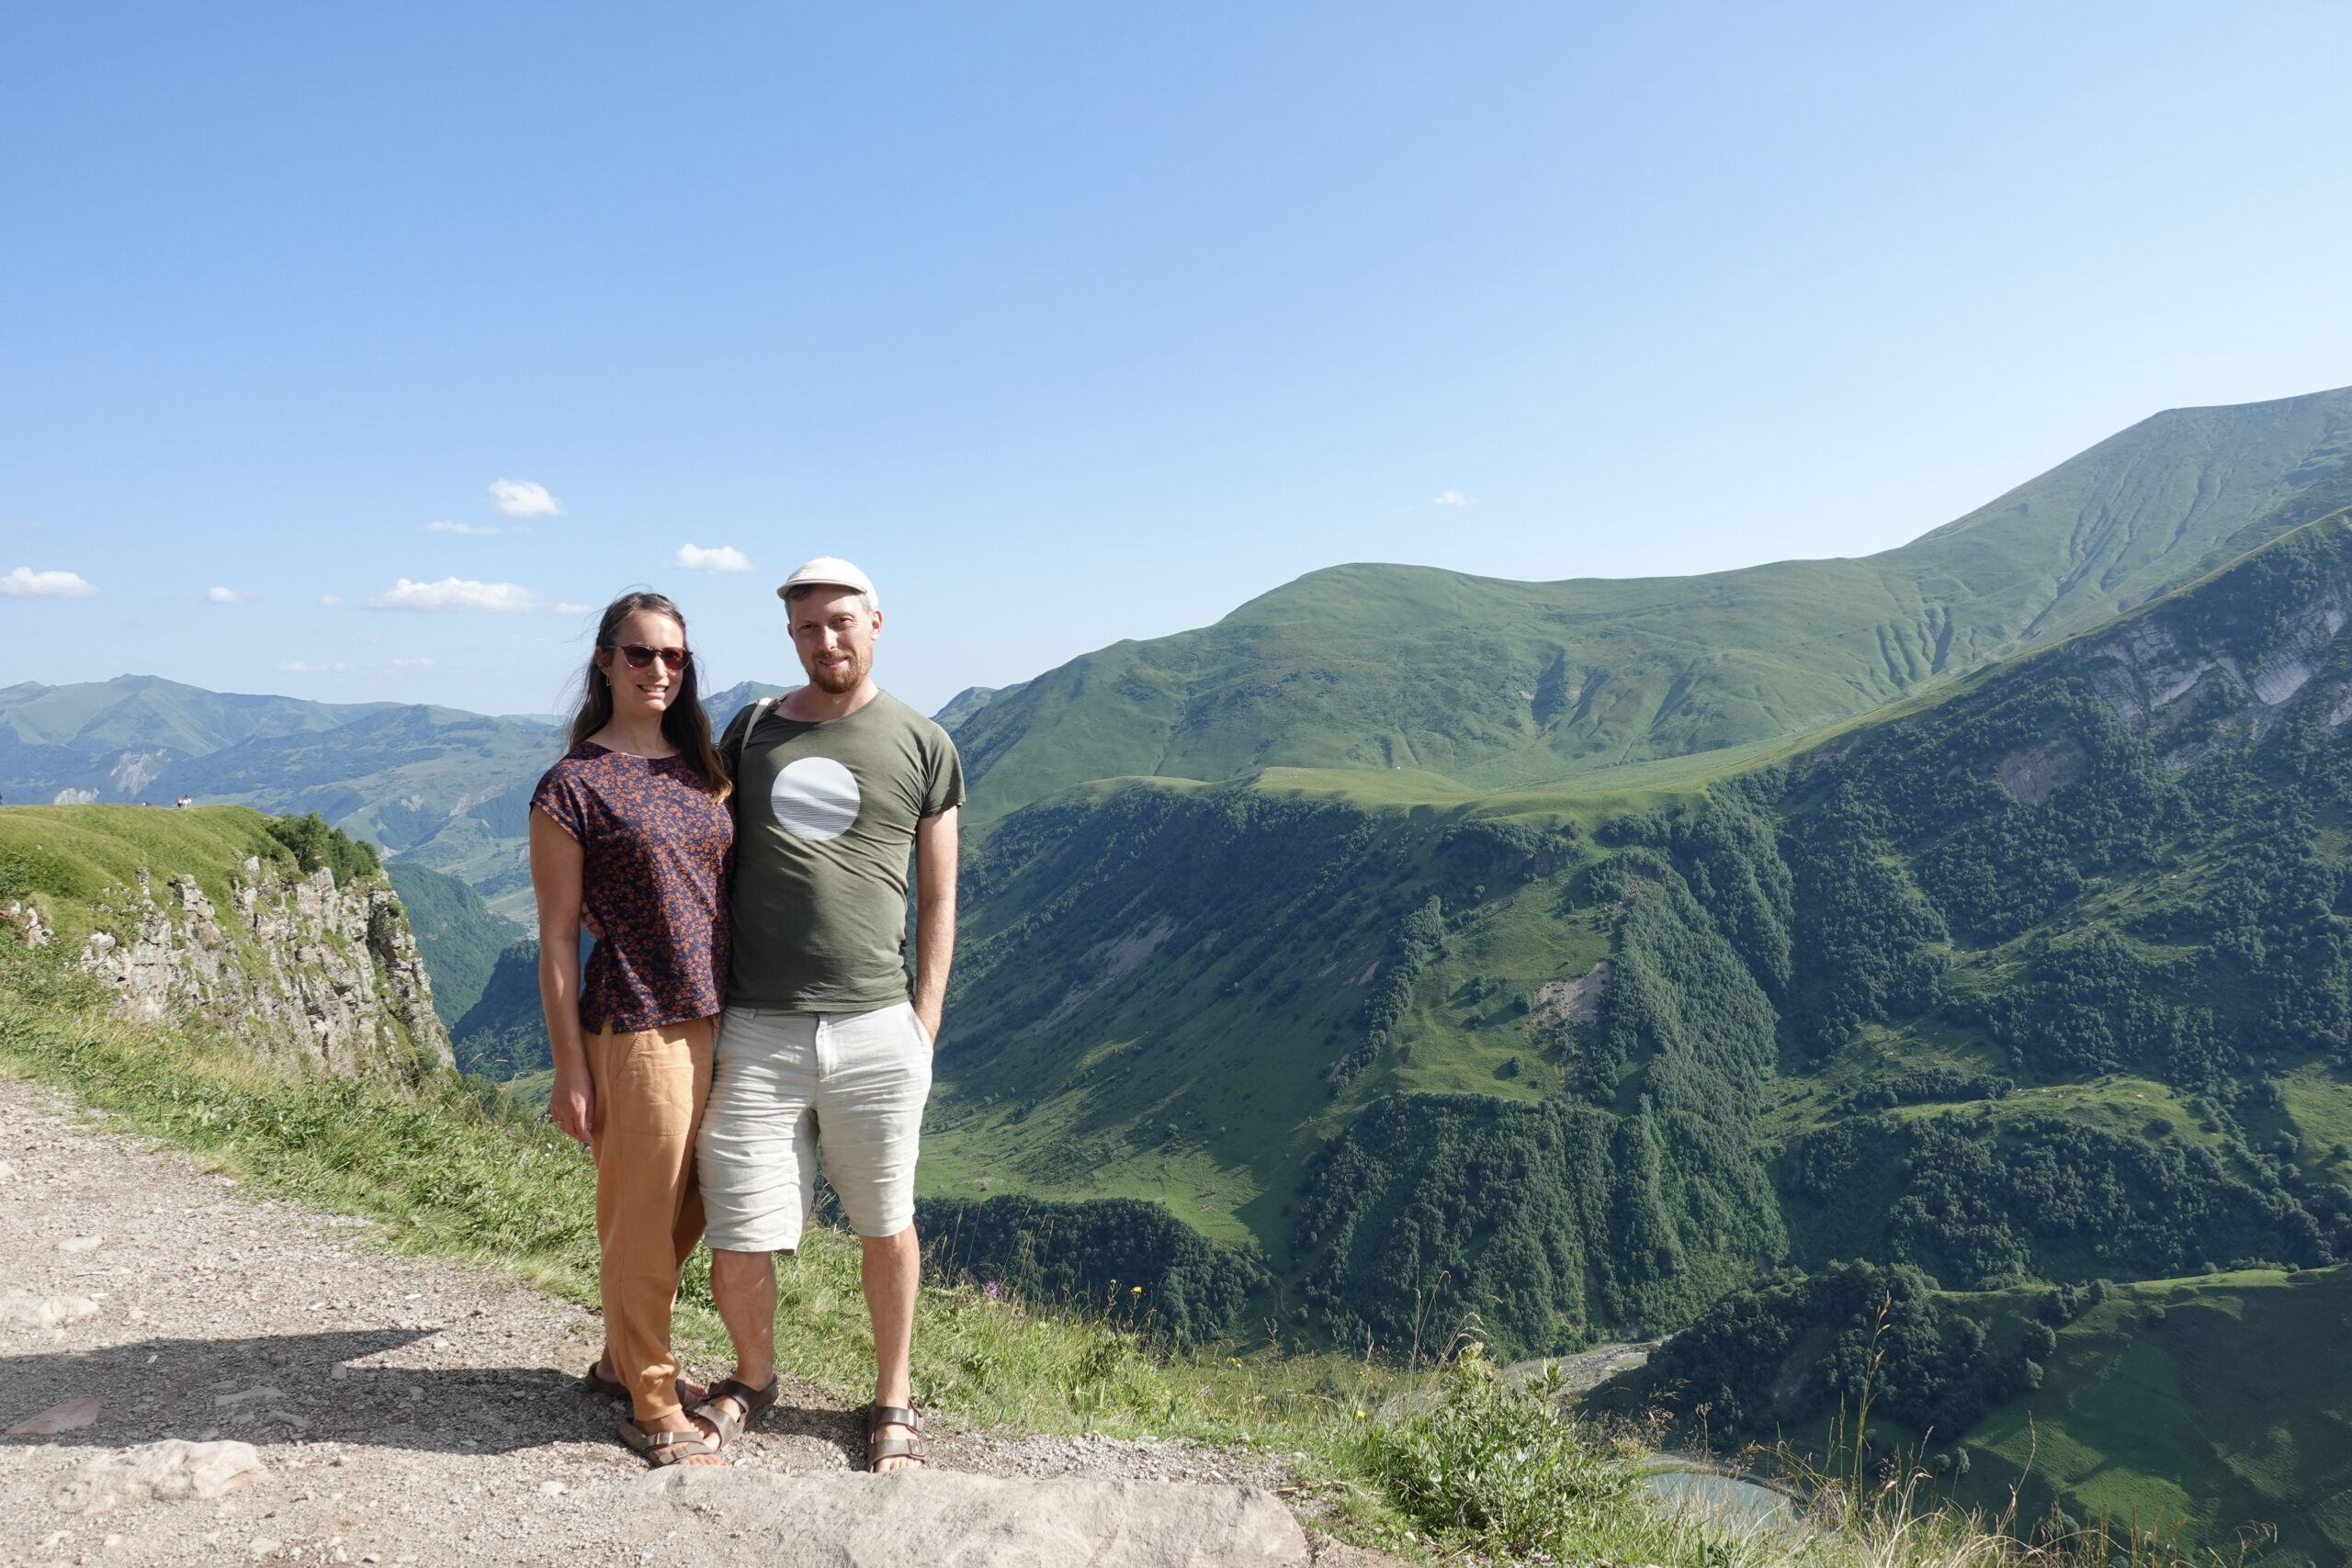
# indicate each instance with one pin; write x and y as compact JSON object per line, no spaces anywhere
{"x":1455,"y":497}
{"x":420,"y":662}
{"x":295,"y":667}
{"x":521,"y":498}
{"x":461,"y":594}
{"x":330,"y":600}
{"x":25,"y":582}
{"x":725,"y":557}
{"x":225,"y":595}
{"x":474,"y":530}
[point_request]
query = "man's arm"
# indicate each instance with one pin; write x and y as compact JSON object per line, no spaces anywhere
{"x":935,"y":848}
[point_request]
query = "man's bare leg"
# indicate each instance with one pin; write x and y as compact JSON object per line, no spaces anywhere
{"x":743,"y":1286}
{"x":891,"y":1273}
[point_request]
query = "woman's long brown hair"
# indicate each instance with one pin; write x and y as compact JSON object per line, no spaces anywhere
{"x":685,"y":725}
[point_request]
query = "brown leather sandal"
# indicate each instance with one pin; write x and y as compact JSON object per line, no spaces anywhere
{"x":728,"y":1424}
{"x":879,"y":1449}
{"x":662,"y":1449}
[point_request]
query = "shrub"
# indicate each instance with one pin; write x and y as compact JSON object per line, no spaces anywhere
{"x":314,"y":844}
{"x":1504,"y":1468}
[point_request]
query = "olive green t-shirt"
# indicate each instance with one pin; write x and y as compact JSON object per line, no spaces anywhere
{"x":825,"y":817}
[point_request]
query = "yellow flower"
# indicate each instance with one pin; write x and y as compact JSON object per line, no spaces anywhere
{"x":1134,"y":1290}
{"x":1359,"y":1415}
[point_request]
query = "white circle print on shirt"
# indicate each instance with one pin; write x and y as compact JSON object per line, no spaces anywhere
{"x":815,"y":798}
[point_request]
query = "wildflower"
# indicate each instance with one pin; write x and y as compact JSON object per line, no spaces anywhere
{"x":989,"y":1289}
{"x":1134,"y":1290}
{"x":1359,"y":1415}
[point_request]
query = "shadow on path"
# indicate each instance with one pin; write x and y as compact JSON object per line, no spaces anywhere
{"x":282,"y":1389}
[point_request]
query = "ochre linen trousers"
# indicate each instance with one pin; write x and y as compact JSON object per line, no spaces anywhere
{"x":649,"y":1085}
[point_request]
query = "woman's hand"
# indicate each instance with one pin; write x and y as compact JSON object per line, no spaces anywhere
{"x":572,"y":1101}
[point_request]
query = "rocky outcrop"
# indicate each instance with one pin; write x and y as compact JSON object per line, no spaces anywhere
{"x":296,"y":969}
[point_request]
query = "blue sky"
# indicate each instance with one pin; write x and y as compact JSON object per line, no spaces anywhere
{"x":1076,"y":323}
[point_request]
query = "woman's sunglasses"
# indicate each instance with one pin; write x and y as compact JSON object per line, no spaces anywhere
{"x":638,"y":656}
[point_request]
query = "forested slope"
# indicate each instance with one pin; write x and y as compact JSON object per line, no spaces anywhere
{"x":2047,"y":980}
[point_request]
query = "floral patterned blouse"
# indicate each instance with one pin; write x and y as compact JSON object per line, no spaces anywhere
{"x":659,"y":855}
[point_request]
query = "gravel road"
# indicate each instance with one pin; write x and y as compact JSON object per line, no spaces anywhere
{"x":408,"y":1410}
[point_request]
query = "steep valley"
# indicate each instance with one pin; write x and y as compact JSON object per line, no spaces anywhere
{"x":2047,"y":979}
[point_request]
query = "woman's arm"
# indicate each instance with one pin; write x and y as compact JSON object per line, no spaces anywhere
{"x":556,"y":861}
{"x":935,"y":915}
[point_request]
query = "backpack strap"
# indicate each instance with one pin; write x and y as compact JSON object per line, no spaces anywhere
{"x":730,"y":745}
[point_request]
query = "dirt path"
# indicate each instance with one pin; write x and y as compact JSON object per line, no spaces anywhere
{"x":407,"y":1410}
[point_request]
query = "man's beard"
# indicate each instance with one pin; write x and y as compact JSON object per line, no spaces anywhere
{"x":839,"y":678}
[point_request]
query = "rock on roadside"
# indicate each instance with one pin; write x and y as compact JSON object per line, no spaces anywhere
{"x":70,"y":1416}
{"x":943,"y":1519}
{"x":163,"y":1473}
{"x":46,"y":1311}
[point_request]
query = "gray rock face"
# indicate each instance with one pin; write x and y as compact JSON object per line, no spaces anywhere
{"x":163,"y":1473}
{"x":298,"y":970}
{"x":941,"y":1519}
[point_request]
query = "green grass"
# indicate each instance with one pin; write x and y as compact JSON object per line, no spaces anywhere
{"x":68,"y":859}
{"x":2233,"y":1408}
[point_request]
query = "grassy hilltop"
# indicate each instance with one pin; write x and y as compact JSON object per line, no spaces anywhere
{"x":1497,"y":684}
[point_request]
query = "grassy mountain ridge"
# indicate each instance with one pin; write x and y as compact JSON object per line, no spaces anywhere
{"x":1500,"y":684}
{"x":2044,"y":979}
{"x":2088,"y":874}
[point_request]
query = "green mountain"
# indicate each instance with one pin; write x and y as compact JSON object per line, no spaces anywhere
{"x":2091,"y":896}
{"x":457,"y":933}
{"x":2043,"y":977}
{"x":1503,"y":684}
{"x":114,"y":739}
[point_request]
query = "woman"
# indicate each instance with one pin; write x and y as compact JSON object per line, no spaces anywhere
{"x":633,"y":823}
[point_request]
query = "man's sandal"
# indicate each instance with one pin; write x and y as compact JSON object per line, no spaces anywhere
{"x":878,"y":1448}
{"x":744,"y":1404}
{"x":665,"y":1449}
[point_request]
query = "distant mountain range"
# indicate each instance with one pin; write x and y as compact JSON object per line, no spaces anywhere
{"x":433,"y":786}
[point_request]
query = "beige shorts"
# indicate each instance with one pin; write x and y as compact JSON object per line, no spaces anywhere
{"x":787,"y":1089}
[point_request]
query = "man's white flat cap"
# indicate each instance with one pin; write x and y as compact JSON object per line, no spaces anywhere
{"x":833,"y":572}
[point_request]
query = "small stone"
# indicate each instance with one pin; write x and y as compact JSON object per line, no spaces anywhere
{"x":263,"y":1391}
{"x":263,"y":1546}
{"x":81,"y":1243}
{"x":340,"y":1373}
{"x":552,"y":1488}
{"x":70,"y":1416}
{"x":7,"y":1171}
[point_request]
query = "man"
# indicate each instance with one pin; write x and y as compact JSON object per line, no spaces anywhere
{"x":822,"y":1053}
